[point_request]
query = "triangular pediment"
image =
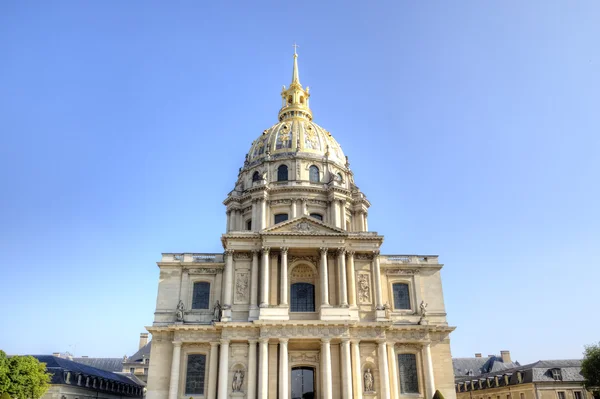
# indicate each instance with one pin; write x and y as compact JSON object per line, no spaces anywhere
{"x":304,"y":225}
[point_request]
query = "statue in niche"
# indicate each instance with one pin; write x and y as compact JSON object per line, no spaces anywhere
{"x":423,"y":309}
{"x":238,"y":381}
{"x":368,"y":380}
{"x":217,"y":311}
{"x":241,"y":286}
{"x":179,"y":311}
{"x":388,"y":309}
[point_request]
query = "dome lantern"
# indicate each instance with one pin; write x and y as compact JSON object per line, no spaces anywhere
{"x":294,"y":99}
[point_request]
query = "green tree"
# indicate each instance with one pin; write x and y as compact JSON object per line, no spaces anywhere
{"x":438,"y":395}
{"x":27,"y":377}
{"x":590,"y":369}
{"x":4,"y":373}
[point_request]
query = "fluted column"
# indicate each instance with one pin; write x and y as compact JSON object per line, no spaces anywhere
{"x":343,"y":280}
{"x":324,"y":279}
{"x":212,"y":377}
{"x":283,"y":294}
{"x":254,"y":282}
{"x":384,"y":373}
{"x":251,"y":379}
{"x":393,"y":362}
{"x":428,"y":365}
{"x":361,"y":221}
{"x":366,"y":221}
{"x":356,"y":370}
{"x":254,"y":216}
{"x":263,"y":213}
{"x":346,"y":369}
{"x":264,"y":299}
{"x":283,"y":368}
{"x":228,"y":279}
{"x":351,"y":279}
{"x":377,"y":274}
{"x":263,"y":369}
{"x":294,"y":211}
{"x":175,"y":361}
{"x":326,"y":374}
{"x":223,"y":369}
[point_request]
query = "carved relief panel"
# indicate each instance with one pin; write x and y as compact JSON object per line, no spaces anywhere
{"x":363,"y":288}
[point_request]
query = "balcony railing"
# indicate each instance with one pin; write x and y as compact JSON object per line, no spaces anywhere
{"x":193,"y":257}
{"x":413,"y":259}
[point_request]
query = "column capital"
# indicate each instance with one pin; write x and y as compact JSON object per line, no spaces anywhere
{"x":345,"y":340}
{"x":255,"y":252}
{"x":381,"y":341}
{"x":323,"y":250}
{"x":351,"y":253}
{"x":355,"y":341}
{"x":213,"y":344}
{"x":376,"y":253}
{"x":283,"y":340}
{"x":224,"y":341}
{"x":229,"y":252}
{"x":252,"y":341}
{"x":341,"y":251}
{"x":266,"y":250}
{"x":177,"y":343}
{"x":325,"y":340}
{"x":284,"y":250}
{"x":263,"y":340}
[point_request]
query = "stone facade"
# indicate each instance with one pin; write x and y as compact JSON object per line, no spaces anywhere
{"x":301,"y":296}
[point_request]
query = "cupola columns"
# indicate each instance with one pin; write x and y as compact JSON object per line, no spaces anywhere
{"x":294,"y":102}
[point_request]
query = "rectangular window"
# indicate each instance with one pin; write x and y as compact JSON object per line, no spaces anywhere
{"x":577,"y":395}
{"x":194,"y":378}
{"x":201,"y":295}
{"x":401,"y":296}
{"x":281,"y":217}
{"x":132,"y":370}
{"x":146,"y":370}
{"x":561,"y":395}
{"x":409,"y":380}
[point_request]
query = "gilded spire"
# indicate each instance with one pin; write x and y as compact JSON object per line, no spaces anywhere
{"x":295,"y":77}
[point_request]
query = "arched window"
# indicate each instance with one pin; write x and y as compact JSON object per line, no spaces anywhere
{"x":256,"y":176}
{"x":313,"y":174}
{"x":401,"y":296}
{"x":317,"y":216}
{"x":303,"y":382}
{"x":407,"y":368}
{"x":249,"y":224}
{"x":281,"y":217}
{"x":282,"y":173}
{"x":201,"y":295}
{"x":340,"y":178}
{"x":302,"y":297}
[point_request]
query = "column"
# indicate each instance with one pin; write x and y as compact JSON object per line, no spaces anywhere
{"x":342,"y":207}
{"x":212,"y":376}
{"x":263,"y":369}
{"x":356,"y":370}
{"x":254,"y":281}
{"x":343,"y":280}
{"x":393,"y":362}
{"x":174,"y":382}
{"x":428,"y":365}
{"x":346,"y":369}
{"x":283,"y":294}
{"x":304,"y":206}
{"x":351,"y":279}
{"x":263,"y":213}
{"x":228,"y":279}
{"x":326,"y":374}
{"x":223,"y":369}
{"x":239,"y":224}
{"x":228,"y":220}
{"x":384,"y":373}
{"x":294,"y":212}
{"x":324,"y":278}
{"x":336,"y":213}
{"x":283,"y":368}
{"x":264,"y":299}
{"x":377,"y":276}
{"x":251,"y":379}
{"x":366,"y":221}
{"x":254,"y":216}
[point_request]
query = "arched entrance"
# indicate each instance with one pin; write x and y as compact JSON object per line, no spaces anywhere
{"x":303,"y":383}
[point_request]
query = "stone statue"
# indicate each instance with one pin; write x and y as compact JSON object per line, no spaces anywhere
{"x":179,"y":311}
{"x":368,"y":378}
{"x":238,"y":381}
{"x":217,"y":312}
{"x":423,"y":309}
{"x":388,"y":309}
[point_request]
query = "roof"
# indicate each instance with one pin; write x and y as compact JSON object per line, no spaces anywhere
{"x":114,"y":364}
{"x":143,"y":352}
{"x":475,"y":366}
{"x":539,"y":371}
{"x":57,"y":366}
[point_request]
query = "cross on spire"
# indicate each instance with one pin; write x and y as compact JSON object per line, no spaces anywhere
{"x":295,"y":46}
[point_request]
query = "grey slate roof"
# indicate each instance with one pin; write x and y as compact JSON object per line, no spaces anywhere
{"x":144,"y":351}
{"x":480,"y":365}
{"x":113,"y":364}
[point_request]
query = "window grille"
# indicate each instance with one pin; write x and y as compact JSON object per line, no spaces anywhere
{"x":194,"y":379}
{"x":409,"y":380}
{"x":302,"y":297}
{"x":281,"y":217}
{"x":201,"y":295}
{"x":282,"y":173}
{"x":401,"y":296}
{"x":313,"y":174}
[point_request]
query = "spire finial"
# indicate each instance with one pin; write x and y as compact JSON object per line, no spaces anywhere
{"x":295,"y":77}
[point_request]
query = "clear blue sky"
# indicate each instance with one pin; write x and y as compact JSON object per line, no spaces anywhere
{"x":472,"y":126}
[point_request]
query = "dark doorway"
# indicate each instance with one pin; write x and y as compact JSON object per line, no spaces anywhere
{"x":303,"y":383}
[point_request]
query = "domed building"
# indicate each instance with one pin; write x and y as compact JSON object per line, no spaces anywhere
{"x":301,"y":304}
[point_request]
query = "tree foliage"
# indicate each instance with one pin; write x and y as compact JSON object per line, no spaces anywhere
{"x":438,"y":395}
{"x":23,"y":377}
{"x":590,"y":368}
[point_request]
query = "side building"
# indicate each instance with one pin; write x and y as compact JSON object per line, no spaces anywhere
{"x":301,"y":303}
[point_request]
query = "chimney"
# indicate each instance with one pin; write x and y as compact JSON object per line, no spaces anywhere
{"x":505,"y":355}
{"x":143,"y":340}
{"x":478,"y":355}
{"x":490,"y":355}
{"x":57,"y":354}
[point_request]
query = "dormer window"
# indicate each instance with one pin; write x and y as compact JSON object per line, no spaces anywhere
{"x":313,"y":174}
{"x":556,"y":374}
